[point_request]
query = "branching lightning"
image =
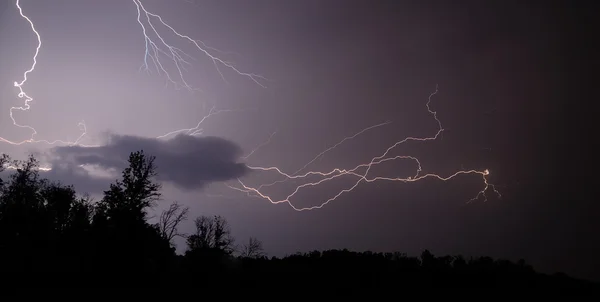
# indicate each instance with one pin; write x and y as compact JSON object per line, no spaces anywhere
{"x":197,"y":130}
{"x":157,"y":49}
{"x":339,"y":143}
{"x":153,"y":52}
{"x":176,"y":55}
{"x":364,"y":176}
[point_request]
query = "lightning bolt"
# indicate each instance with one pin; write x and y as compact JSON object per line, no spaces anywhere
{"x":177,"y":56}
{"x":339,"y":143}
{"x":319,"y":155}
{"x":362,"y":177}
{"x":197,"y":130}
{"x":154,"y":52}
{"x":260,"y":146}
{"x":27,"y":99}
{"x":157,"y":49}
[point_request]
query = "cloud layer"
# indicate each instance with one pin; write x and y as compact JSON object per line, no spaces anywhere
{"x":188,"y":162}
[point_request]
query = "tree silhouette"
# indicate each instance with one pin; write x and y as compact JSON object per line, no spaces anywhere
{"x":212,"y":233}
{"x":252,"y":249}
{"x":39,"y":220}
{"x":4,"y":161}
{"x":46,"y":226}
{"x":169,"y":221}
{"x":135,"y":192}
{"x":128,"y":241}
{"x":210,"y":246}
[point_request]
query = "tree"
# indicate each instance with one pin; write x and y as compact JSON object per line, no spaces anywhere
{"x":140,"y":190}
{"x":223,"y":241}
{"x":202,"y":239}
{"x":58,"y":201}
{"x":4,"y":160}
{"x":252,"y":249}
{"x":124,"y":240}
{"x":21,"y":204}
{"x":81,"y":214}
{"x":23,"y":184}
{"x":39,"y":219}
{"x":212,"y":233}
{"x":169,"y":221}
{"x":130,"y":197}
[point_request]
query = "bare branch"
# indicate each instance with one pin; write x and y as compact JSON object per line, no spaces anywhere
{"x":253,"y":249}
{"x":170,"y":219}
{"x":212,"y":233}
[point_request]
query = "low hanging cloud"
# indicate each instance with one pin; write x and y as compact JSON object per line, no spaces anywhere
{"x":188,"y":162}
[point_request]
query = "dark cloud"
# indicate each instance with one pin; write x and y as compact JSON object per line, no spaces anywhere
{"x":187,"y":162}
{"x":81,"y":179}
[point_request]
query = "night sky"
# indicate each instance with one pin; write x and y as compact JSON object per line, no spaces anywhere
{"x":513,"y":80}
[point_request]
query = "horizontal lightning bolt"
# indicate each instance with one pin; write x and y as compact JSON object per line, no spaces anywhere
{"x":336,"y":173}
{"x":157,"y":49}
{"x":288,"y":177}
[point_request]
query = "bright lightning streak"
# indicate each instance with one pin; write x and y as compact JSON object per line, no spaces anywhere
{"x":176,"y":55}
{"x":336,"y":173}
{"x":23,"y":95}
{"x":319,"y":155}
{"x":153,"y":53}
{"x":339,"y":143}
{"x":180,"y":59}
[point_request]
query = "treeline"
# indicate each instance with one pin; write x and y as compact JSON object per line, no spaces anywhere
{"x":46,"y":227}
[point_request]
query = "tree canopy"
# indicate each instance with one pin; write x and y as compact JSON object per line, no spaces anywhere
{"x":46,"y":226}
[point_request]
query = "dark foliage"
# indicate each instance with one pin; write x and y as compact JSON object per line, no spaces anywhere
{"x":45,"y":227}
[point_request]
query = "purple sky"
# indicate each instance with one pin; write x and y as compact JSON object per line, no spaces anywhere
{"x":334,"y":68}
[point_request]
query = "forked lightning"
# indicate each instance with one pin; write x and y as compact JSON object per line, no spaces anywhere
{"x":159,"y":53}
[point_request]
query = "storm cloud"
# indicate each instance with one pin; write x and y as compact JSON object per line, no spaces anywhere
{"x":188,"y":162}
